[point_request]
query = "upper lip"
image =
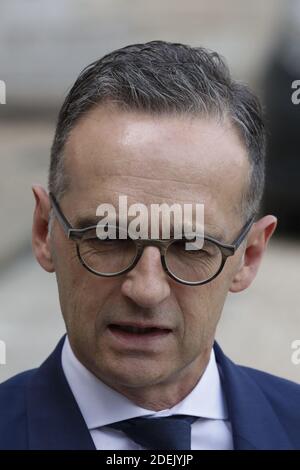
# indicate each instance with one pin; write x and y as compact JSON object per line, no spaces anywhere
{"x":141,"y":325}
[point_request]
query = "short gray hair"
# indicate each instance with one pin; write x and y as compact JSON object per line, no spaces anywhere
{"x":160,"y":77}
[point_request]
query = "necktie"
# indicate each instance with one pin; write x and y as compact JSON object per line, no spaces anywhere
{"x":169,"y":433}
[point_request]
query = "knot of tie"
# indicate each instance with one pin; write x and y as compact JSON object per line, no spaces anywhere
{"x":168,"y":433}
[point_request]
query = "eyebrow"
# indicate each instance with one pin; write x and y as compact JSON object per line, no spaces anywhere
{"x":85,"y":221}
{"x":82,"y":222}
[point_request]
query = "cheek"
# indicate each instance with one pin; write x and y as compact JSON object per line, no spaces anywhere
{"x":81,"y":293}
{"x":202,"y":307}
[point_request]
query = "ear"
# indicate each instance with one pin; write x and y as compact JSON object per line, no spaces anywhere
{"x":257,"y":241}
{"x":40,"y":235}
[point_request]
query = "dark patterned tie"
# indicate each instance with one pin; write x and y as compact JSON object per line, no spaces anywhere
{"x":170,"y":433}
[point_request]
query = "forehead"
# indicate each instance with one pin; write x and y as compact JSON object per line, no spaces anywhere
{"x":155,"y":159}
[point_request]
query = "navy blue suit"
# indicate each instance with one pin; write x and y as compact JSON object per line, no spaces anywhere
{"x":38,"y":409}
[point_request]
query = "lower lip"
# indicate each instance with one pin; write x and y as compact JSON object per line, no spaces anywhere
{"x":139,"y":340}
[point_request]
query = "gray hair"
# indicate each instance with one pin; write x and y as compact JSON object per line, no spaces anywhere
{"x":160,"y":77}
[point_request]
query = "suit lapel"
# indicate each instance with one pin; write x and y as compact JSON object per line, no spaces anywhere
{"x":254,"y":423}
{"x":54,"y":419}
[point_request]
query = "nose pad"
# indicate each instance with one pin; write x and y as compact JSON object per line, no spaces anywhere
{"x":147,"y":284}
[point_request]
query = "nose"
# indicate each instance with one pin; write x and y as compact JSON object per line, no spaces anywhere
{"x":147,"y":284}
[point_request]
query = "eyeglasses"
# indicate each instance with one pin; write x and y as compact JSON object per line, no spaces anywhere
{"x":113,"y":257}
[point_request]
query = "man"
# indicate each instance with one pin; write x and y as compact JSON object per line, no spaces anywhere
{"x":139,"y":369}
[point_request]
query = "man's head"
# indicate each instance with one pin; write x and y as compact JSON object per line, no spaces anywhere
{"x":160,"y":123}
{"x":160,"y":78}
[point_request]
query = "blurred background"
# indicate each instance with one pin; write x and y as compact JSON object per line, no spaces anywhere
{"x":43,"y":47}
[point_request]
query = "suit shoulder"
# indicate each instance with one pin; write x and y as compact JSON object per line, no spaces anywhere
{"x":282,"y":394}
{"x":13,"y":410}
{"x":273,"y":384}
{"x":15,"y":382}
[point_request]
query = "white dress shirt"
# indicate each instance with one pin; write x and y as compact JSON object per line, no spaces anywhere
{"x":101,"y":405}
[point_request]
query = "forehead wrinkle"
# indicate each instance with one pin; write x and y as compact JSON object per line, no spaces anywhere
{"x":139,"y":186}
{"x":142,"y":196}
{"x":157,"y":179}
{"x":106,"y":167}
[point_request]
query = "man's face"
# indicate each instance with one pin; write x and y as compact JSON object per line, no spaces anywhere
{"x":151,"y":159}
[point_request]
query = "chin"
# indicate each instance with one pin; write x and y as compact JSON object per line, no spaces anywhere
{"x":134,"y":377}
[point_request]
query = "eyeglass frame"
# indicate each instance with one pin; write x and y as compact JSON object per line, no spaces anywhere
{"x":76,"y":234}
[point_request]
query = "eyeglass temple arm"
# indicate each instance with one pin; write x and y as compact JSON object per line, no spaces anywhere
{"x":243,"y":233}
{"x":67,"y":227}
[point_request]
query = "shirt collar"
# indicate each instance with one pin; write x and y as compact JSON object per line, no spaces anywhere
{"x":101,"y":405}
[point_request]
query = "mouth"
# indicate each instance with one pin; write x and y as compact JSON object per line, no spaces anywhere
{"x":137,"y":334}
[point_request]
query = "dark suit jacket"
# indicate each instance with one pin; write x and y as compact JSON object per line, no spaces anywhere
{"x":38,"y":409}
